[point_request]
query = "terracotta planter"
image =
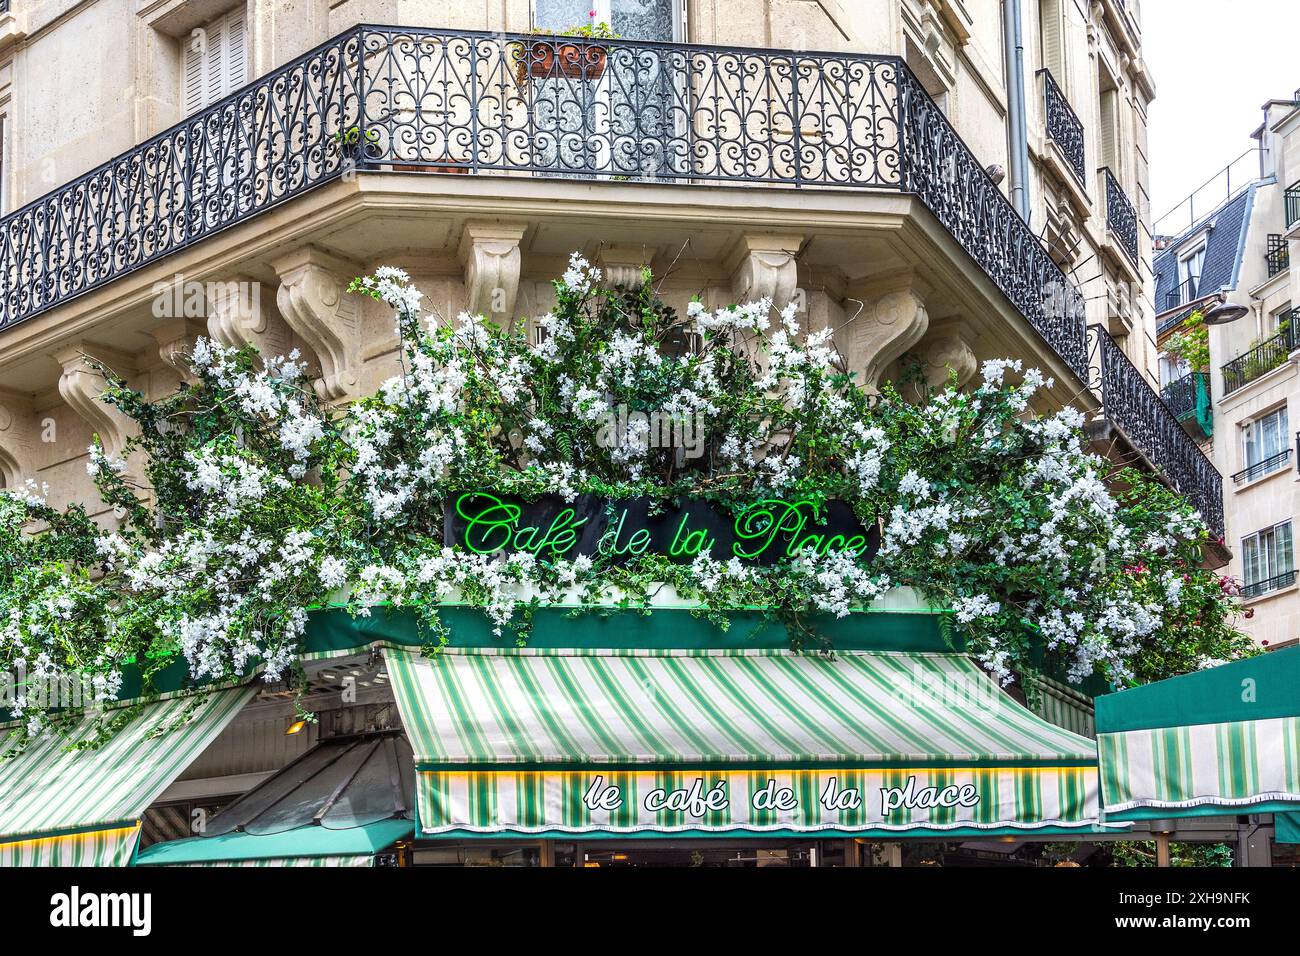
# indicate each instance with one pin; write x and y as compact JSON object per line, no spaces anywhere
{"x":575,"y":59}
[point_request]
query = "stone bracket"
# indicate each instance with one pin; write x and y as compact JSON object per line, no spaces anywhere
{"x":490,"y":254}
{"x":239,"y":314}
{"x":314,"y":302}
{"x":765,"y":267}
{"x":945,"y":349}
{"x":889,"y":325}
{"x":175,"y":338}
{"x":81,"y":387}
{"x":18,"y":435}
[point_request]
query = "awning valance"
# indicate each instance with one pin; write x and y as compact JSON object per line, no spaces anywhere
{"x":1226,"y":739}
{"x":309,"y":845}
{"x":67,"y":806}
{"x":585,"y":740}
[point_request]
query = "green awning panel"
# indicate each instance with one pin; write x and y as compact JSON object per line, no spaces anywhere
{"x":1287,"y":827}
{"x":310,"y":845}
{"x":528,"y":740}
{"x":57,"y":798}
{"x":1224,"y":738}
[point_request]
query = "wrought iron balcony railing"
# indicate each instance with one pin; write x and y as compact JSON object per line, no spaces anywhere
{"x":438,"y":101}
{"x":388,"y":98}
{"x":1063,"y":126}
{"x":1185,"y":291}
{"x":1133,"y":406}
{"x":1292,"y":196}
{"x":1121,"y":217}
{"x":1263,"y":467}
{"x":1277,"y":256}
{"x":1276,"y":583}
{"x":1264,"y":357}
{"x":1189,"y":397}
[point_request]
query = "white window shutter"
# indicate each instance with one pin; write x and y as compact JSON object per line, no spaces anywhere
{"x":193,"y":76}
{"x":221,"y":67}
{"x":236,"y":55}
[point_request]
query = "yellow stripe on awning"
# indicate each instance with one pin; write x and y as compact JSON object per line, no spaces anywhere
{"x":54,"y":789}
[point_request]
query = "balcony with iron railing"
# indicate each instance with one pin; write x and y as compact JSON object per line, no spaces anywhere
{"x":382,"y":99}
{"x":1263,"y":467}
{"x":1150,"y":426}
{"x":1121,"y":217}
{"x":1189,"y":400}
{"x":1261,"y":359}
{"x":1292,"y":203}
{"x":1063,"y":125}
{"x":1267,"y":586}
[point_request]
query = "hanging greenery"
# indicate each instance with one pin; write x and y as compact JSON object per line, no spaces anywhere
{"x":253,"y":503}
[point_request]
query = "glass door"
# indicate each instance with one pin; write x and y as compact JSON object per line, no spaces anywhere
{"x":618,"y":114}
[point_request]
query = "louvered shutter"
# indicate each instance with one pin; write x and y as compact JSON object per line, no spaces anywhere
{"x":1053,"y":40}
{"x":193,"y":67}
{"x":219,"y":66}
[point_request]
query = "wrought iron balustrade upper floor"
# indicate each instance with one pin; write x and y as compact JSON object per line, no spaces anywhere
{"x":1121,"y":217}
{"x":523,"y":105}
{"x":1063,"y":124}
{"x":1292,"y":204}
{"x":1140,"y":413}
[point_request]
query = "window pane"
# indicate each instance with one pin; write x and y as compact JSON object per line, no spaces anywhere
{"x":643,"y":19}
{"x":1285,"y":562}
{"x":1250,"y":559}
{"x":562,"y":14}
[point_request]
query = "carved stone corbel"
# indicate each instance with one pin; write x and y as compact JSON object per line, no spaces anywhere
{"x":490,"y":254}
{"x":946,"y":349}
{"x":17,"y":440}
{"x":765,"y":267}
{"x":624,"y":264}
{"x":891,"y":322}
{"x":314,"y":302}
{"x":239,"y":314}
{"x":175,"y":338}
{"x":82,"y":387}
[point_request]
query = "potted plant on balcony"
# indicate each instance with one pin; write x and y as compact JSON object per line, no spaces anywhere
{"x":579,"y":58}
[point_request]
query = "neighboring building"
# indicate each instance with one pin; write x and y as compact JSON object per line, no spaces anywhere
{"x":1195,"y":271}
{"x":1256,"y":385}
{"x":212,"y":168}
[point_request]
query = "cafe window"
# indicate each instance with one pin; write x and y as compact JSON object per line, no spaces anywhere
{"x":1267,"y":560}
{"x":1265,"y":444}
{"x":215,"y":60}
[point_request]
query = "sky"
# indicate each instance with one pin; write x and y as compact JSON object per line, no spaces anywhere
{"x":1214,"y":63}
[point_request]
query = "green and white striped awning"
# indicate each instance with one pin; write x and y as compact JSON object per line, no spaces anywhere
{"x":64,"y":806}
{"x":1224,"y":739}
{"x":1242,"y":763}
{"x":534,"y":741}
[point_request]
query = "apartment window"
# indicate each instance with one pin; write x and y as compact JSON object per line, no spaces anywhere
{"x":630,"y":19}
{"x":216,"y":60}
{"x":1265,"y":446}
{"x":1051,"y":39}
{"x":1108,"y":124}
{"x":1189,"y":273}
{"x":1173,"y":368}
{"x":1267,"y":560}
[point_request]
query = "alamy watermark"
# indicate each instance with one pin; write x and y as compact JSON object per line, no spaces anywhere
{"x":621,"y":427}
